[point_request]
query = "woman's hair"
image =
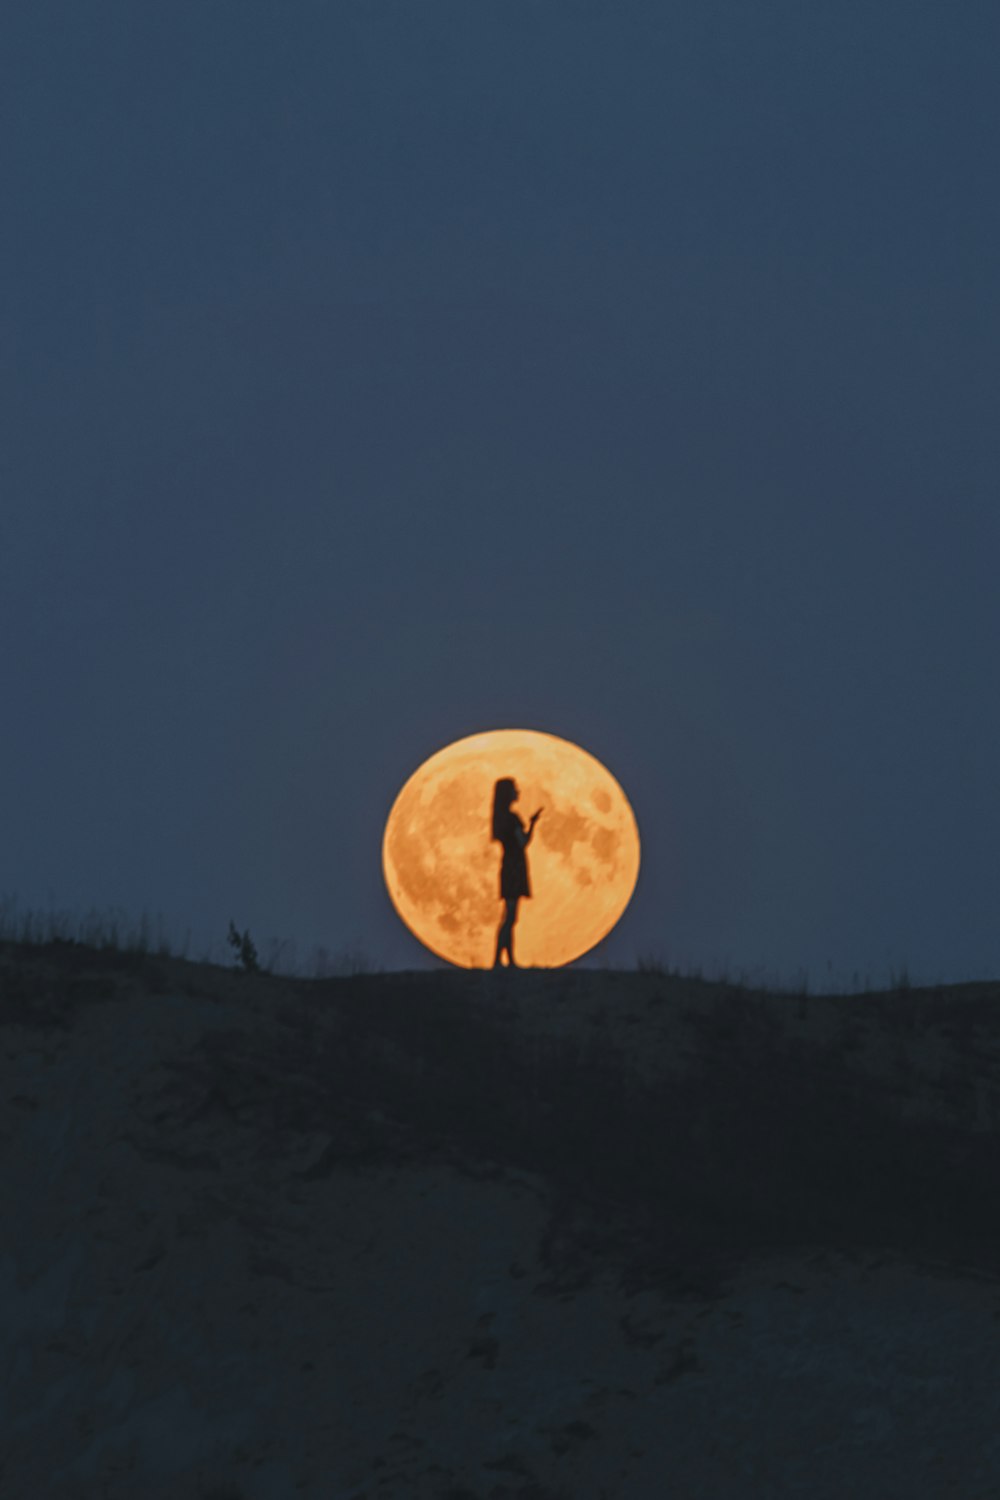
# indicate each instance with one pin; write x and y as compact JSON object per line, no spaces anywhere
{"x":503,"y":796}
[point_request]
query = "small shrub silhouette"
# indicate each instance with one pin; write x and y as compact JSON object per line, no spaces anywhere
{"x":244,"y":948}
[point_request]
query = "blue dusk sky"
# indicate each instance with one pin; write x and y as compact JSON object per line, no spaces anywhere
{"x":375,"y":372}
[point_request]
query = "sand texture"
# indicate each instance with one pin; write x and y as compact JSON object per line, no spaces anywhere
{"x":492,"y":1237}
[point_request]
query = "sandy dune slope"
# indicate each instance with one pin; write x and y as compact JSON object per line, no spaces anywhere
{"x":266,"y":1240}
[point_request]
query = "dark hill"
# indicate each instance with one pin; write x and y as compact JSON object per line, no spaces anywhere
{"x":414,"y":1234}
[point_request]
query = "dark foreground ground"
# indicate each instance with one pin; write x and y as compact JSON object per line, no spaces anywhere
{"x":492,"y":1236}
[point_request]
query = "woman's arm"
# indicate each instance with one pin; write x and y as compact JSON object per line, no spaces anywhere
{"x":531,"y":828}
{"x":520,"y":833}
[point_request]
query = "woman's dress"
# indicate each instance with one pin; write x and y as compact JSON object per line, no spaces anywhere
{"x":514,"y":869}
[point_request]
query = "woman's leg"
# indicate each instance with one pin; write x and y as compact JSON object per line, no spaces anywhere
{"x":510,"y":941}
{"x":502,"y":936}
{"x":505,"y":936}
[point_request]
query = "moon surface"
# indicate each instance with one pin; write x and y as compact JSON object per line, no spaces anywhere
{"x":442,"y":868}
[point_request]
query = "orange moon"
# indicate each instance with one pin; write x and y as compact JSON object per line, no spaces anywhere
{"x":442,"y":868}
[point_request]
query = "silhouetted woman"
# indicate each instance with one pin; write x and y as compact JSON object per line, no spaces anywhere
{"x":515,"y":838}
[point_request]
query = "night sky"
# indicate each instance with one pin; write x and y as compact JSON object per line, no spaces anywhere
{"x":378,"y":373}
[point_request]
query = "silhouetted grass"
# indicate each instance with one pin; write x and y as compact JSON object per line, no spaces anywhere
{"x":113,"y":931}
{"x":753,"y":1136}
{"x":110,"y":930}
{"x":765,"y":1141}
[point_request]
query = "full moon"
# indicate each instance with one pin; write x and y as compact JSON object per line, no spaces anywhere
{"x":442,"y":868}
